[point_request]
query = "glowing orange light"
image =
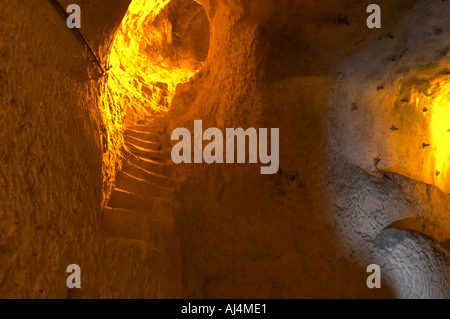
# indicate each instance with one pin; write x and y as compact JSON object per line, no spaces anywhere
{"x":440,"y":135}
{"x":136,"y":65}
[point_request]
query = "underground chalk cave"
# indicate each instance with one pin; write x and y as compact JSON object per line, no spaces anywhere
{"x":86,"y":175}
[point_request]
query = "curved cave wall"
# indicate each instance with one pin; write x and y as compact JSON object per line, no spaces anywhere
{"x":356,"y":184}
{"x":326,"y":215}
{"x":388,"y":119}
{"x":56,"y":162}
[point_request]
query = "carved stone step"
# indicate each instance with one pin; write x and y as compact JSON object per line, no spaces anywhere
{"x":150,"y":137}
{"x":147,"y":153}
{"x":148,"y":128}
{"x":133,"y":184}
{"x":160,"y":167}
{"x":145,"y":175}
{"x":143,"y":143}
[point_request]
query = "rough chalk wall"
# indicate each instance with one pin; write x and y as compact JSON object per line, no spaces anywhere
{"x":51,"y":182}
{"x":312,"y":229}
{"x":400,"y":223}
{"x":370,"y":215}
{"x":389,"y":87}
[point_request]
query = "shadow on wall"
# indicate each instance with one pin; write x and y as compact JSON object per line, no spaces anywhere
{"x":266,"y":236}
{"x":387,"y":112}
{"x":295,"y":99}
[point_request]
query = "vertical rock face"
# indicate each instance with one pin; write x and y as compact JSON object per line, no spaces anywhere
{"x":338,"y":203}
{"x":53,"y":142}
{"x":389,"y":113}
{"x":312,"y":229}
{"x":400,"y":85}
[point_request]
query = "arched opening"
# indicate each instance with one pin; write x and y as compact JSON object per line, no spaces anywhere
{"x":389,"y":120}
{"x":158,"y":45}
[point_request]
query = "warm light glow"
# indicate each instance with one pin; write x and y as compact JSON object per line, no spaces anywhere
{"x":145,"y":66}
{"x":139,"y":71}
{"x":440,"y":133}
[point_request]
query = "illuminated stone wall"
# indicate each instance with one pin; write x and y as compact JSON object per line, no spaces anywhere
{"x":395,"y":93}
{"x":52,"y":165}
{"x":312,"y":69}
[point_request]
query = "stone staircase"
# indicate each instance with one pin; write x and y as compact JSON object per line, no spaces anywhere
{"x":141,"y":207}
